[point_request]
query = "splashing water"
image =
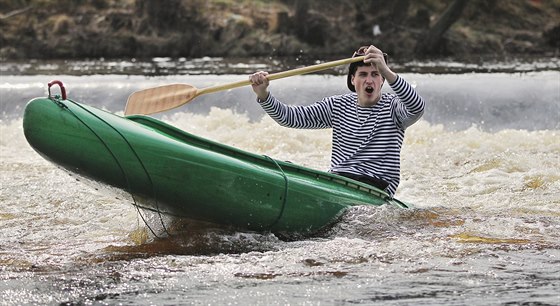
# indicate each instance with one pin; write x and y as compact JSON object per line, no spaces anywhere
{"x":484,"y":228}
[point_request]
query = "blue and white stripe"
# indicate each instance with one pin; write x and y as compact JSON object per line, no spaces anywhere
{"x":366,"y":140}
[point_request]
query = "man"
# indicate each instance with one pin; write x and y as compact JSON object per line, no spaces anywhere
{"x":368,"y":126}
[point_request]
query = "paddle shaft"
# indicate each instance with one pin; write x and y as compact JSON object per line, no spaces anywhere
{"x":161,"y":98}
{"x":280,"y":75}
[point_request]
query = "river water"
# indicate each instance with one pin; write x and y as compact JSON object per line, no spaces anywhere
{"x":482,"y":169}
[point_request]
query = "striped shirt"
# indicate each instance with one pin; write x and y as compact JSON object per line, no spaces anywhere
{"x":365,"y":140}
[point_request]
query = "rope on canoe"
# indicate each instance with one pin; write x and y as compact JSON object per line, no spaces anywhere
{"x":129,"y":187}
{"x":285,"y":197}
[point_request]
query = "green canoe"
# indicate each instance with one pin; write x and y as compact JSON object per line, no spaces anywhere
{"x":173,"y":172}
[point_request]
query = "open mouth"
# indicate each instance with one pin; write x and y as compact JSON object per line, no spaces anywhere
{"x":369,"y":89}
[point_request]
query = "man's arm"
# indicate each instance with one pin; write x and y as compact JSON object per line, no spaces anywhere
{"x":411,"y":105}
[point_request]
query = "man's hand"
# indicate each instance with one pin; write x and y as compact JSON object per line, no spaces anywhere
{"x":259,"y":82}
{"x":375,"y":57}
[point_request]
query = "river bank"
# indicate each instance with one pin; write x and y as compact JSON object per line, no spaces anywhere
{"x":317,"y":29}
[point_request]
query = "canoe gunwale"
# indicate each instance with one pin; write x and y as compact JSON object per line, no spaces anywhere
{"x":264,"y":160}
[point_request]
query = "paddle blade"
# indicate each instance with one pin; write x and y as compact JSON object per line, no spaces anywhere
{"x":159,"y":99}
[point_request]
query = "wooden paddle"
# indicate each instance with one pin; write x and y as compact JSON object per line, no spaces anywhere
{"x":166,"y":97}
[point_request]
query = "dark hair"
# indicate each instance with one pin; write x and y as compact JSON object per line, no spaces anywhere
{"x":354,"y":66}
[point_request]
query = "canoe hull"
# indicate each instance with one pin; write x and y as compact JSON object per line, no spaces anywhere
{"x":172,"y":172}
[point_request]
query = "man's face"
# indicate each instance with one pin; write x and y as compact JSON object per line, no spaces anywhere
{"x":368,"y":83}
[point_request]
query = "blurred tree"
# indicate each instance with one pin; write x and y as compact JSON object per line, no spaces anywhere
{"x":301,"y":17}
{"x":552,"y":36}
{"x":429,"y":43}
{"x":399,"y":12}
{"x":307,"y":26}
{"x":161,"y":15}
